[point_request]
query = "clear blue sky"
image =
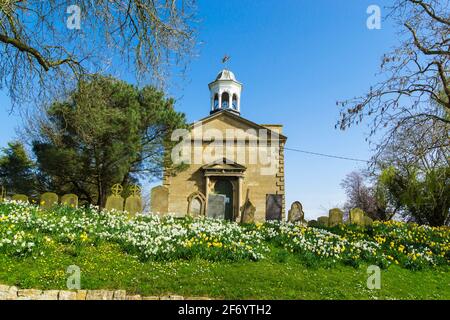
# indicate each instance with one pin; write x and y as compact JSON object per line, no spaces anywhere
{"x":295,"y":59}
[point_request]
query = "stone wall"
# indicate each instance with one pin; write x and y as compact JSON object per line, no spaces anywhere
{"x":13,"y":293}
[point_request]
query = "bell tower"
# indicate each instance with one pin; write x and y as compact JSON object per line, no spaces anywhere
{"x":225,"y":93}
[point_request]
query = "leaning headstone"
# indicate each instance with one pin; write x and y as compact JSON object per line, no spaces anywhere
{"x":296,"y":214}
{"x":115,"y":200}
{"x":20,"y":197}
{"x":248,"y":212}
{"x":70,"y":200}
{"x":367,"y":221}
{"x":133,"y":204}
{"x":356,"y":216}
{"x":159,"y":200}
{"x":335,"y":217}
{"x":48,"y":200}
{"x":322,"y":221}
{"x":216,"y":206}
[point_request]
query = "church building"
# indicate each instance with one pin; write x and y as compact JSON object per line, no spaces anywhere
{"x":229,"y":160}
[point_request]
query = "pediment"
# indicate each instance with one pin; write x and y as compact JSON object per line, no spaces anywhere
{"x":224,"y":165}
{"x":225,"y":120}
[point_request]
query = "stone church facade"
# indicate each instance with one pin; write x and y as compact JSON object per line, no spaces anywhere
{"x":229,"y":160}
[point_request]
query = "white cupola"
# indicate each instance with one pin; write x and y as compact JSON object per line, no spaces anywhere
{"x":225,"y":92}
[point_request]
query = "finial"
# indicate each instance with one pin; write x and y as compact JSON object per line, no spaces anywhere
{"x":225,"y":59}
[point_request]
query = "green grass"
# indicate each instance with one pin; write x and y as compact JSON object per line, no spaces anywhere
{"x":281,"y":276}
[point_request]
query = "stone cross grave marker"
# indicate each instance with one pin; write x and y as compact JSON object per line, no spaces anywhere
{"x":115,"y":200}
{"x":133,"y":203}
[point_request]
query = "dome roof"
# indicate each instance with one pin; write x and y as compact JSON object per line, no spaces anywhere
{"x":226,"y":75}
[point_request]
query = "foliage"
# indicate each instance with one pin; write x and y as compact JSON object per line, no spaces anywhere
{"x":17,"y":170}
{"x":106,"y":132}
{"x":43,"y":49}
{"x":425,"y":197}
{"x":373,"y":200}
{"x":414,"y":93}
{"x":27,"y":231}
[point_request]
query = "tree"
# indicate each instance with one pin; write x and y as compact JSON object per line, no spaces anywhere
{"x":105,"y":132}
{"x":415,"y":91}
{"x":47,"y":45}
{"x":425,"y":197}
{"x":373,"y":200}
{"x":17,"y":170}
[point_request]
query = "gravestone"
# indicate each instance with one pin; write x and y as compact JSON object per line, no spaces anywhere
{"x":159,"y":200}
{"x":195,"y":207}
{"x":296,"y":214}
{"x":357,"y":216}
{"x":216,"y":206}
{"x":133,"y":204}
{"x":70,"y":200}
{"x":367,"y":221}
{"x":322,"y":221}
{"x":48,"y":200}
{"x":115,"y":200}
{"x":274,"y":205}
{"x":20,"y":197}
{"x":335,"y":217}
{"x":248,"y":212}
{"x":196,"y":204}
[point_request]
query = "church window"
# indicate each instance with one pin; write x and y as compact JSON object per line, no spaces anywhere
{"x":225,"y":100}
{"x":234,"y":102}
{"x":216,"y":101}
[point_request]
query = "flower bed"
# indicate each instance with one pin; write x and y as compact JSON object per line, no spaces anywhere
{"x":27,"y":230}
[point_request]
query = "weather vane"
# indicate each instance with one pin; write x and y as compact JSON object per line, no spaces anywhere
{"x":225,"y":59}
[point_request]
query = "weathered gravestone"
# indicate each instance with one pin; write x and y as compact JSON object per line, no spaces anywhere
{"x":216,"y":206}
{"x":322,"y":221}
{"x":296,"y":214}
{"x":274,"y":205}
{"x":335,"y":217}
{"x":196,"y":204}
{"x":248,"y":212}
{"x":48,"y":200}
{"x":133,"y":204}
{"x":20,"y":197}
{"x":367,"y":221}
{"x":357,"y":216}
{"x":159,"y":200}
{"x":115,"y":200}
{"x":70,"y":200}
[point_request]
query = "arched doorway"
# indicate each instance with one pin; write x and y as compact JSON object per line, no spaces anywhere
{"x":224,"y":186}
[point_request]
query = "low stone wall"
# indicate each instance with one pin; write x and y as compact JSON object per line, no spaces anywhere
{"x":13,"y":293}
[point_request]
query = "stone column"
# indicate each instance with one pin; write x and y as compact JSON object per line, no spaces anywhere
{"x":206,"y":193}
{"x":239,"y":192}
{"x":220,"y":100}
